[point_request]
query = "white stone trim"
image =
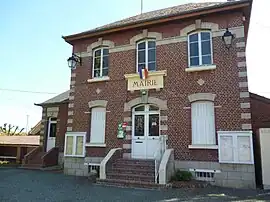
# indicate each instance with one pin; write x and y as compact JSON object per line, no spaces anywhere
{"x":126,"y":146}
{"x":70,"y":105}
{"x":73,"y":75}
{"x":128,"y":137}
{"x":163,"y":118}
{"x":70,"y":121}
{"x":245,"y":105}
{"x":242,"y":74}
{"x":102,"y":171}
{"x":245,"y":115}
{"x":201,"y":96}
{"x":69,"y":129}
{"x":83,"y":54}
{"x":72,"y":90}
{"x":127,"y":155}
{"x":243,"y":84}
{"x":200,"y":68}
{"x":72,"y":82}
{"x":145,"y":34}
{"x":52,"y":109}
{"x":246,"y":126}
{"x":162,"y":104}
{"x":98,"y":103}
{"x":241,"y":54}
{"x":163,"y":127}
{"x":42,"y":132}
{"x":171,"y":40}
{"x":204,"y":25}
{"x":122,"y":48}
{"x":240,"y":44}
{"x":70,"y":113}
{"x":128,"y":128}
{"x":203,"y":146}
{"x":244,"y":94}
{"x":95,"y":145}
{"x":241,"y":64}
{"x":99,"y":43}
{"x":71,"y":97}
{"x":127,"y":119}
{"x":105,"y":78}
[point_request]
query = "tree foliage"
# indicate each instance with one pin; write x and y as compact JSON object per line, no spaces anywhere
{"x":10,"y":130}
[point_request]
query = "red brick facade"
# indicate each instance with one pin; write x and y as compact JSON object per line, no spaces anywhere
{"x":178,"y":85}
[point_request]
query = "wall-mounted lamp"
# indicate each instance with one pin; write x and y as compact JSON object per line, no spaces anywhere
{"x":227,"y":38}
{"x":73,"y":61}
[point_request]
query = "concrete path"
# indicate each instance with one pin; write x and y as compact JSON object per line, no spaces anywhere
{"x":27,"y":185}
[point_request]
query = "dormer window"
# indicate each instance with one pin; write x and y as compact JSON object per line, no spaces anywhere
{"x":100,"y":62}
{"x":146,"y":54}
{"x":200,"y":48}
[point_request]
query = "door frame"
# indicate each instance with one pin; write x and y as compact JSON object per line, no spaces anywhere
{"x":50,"y":121}
{"x":146,"y":114}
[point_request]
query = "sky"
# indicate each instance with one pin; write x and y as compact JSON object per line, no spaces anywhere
{"x":34,"y":56}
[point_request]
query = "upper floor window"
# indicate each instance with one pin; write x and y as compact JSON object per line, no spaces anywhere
{"x":146,"y":54}
{"x":100,"y":62}
{"x":200,"y":48}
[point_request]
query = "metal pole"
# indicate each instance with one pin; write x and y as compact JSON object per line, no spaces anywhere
{"x":141,"y":6}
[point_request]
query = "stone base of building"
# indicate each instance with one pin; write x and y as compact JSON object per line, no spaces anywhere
{"x":75,"y":166}
{"x":61,"y":159}
{"x":225,"y":175}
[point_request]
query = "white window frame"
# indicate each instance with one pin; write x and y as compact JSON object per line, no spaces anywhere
{"x":146,"y":53}
{"x":49,"y":126}
{"x":203,"y":146}
{"x":93,"y":143}
{"x":101,"y":62}
{"x":75,"y":135}
{"x":200,"y":48}
{"x":235,"y":135}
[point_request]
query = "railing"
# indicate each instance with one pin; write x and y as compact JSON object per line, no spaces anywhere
{"x":32,"y":153}
{"x":161,"y":147}
{"x":51,"y":157}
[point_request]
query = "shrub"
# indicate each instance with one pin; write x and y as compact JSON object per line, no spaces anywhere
{"x":182,"y":176}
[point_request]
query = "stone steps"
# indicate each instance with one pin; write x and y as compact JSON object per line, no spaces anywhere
{"x":132,"y":177}
{"x":130,"y":171}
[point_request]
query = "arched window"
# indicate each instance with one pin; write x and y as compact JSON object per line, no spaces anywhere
{"x":200,"y":48}
{"x":146,"y":54}
{"x":100,"y":62}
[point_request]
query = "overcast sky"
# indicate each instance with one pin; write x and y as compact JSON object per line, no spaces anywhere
{"x":33,"y":54}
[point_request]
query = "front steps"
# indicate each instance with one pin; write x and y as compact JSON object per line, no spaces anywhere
{"x":131,"y":173}
{"x":35,"y":163}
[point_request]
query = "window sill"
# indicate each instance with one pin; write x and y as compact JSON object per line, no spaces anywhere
{"x":200,"y":68}
{"x":75,"y":156}
{"x":95,"y":145}
{"x":100,"y":79}
{"x":203,"y":146}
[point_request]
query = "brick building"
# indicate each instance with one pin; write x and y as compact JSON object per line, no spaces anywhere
{"x":179,"y":89}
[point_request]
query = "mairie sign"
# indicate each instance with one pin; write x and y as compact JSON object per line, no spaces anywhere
{"x":154,"y":80}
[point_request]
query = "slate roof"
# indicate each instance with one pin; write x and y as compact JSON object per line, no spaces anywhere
{"x":57,"y":99}
{"x":20,"y":140}
{"x":162,"y":13}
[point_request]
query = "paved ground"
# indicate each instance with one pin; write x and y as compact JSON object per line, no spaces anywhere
{"x":26,"y":185}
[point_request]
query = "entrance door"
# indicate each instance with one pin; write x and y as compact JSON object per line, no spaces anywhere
{"x":145,"y":131}
{"x":51,"y":133}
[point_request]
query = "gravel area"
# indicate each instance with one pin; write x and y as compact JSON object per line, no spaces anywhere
{"x":30,"y":185}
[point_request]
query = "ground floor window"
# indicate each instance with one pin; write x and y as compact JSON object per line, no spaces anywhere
{"x":98,"y":123}
{"x":75,"y":144}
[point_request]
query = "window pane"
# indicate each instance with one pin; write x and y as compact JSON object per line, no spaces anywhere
{"x":205,"y":36}
{"x":151,"y":44}
{"x":97,"y":63}
{"x":105,"y":51}
{"x":194,"y":61}
{"x":69,"y":145}
{"x":194,"y":49}
{"x":193,"y":37}
{"x":98,"y":122}
{"x":79,"y":146}
{"x":141,"y":56}
{"x":97,"y":73}
{"x":139,"y":125}
{"x":206,"y":60}
{"x":105,"y":61}
{"x":154,"y":125}
{"x":151,"y":55}
{"x":206,"y":48}
{"x":141,"y":108}
{"x":153,"y":108}
{"x":53,"y":130}
{"x":97,"y":53}
{"x":105,"y":71}
{"x":152,"y":66}
{"x":141,"y":45}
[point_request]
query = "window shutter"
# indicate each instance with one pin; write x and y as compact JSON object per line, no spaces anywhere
{"x":203,"y":123}
{"x":98,"y":119}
